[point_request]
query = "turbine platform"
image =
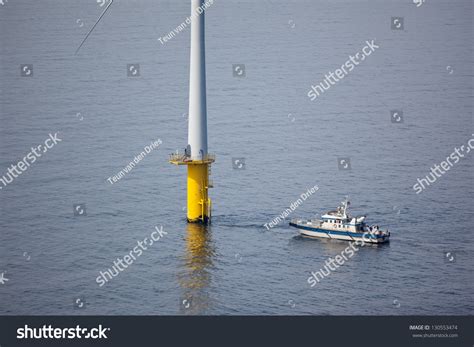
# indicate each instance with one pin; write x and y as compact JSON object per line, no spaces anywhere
{"x":183,"y":159}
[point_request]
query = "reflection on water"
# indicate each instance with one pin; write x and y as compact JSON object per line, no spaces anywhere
{"x":196,"y":277}
{"x":332,"y":246}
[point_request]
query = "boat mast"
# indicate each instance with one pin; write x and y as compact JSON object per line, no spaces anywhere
{"x":345,"y":205}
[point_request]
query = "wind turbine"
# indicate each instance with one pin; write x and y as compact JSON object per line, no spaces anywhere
{"x":196,"y":156}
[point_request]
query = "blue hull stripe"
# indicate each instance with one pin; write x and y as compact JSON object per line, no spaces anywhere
{"x":333,"y":232}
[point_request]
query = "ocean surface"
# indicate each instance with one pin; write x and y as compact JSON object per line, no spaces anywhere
{"x":264,"y":118}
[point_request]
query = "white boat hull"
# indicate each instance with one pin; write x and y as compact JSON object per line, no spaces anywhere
{"x":341,"y":235}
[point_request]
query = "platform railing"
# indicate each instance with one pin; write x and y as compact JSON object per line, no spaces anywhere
{"x":183,"y":158}
{"x":177,"y":157}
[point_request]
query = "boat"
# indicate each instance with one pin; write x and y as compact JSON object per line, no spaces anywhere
{"x":340,"y":225}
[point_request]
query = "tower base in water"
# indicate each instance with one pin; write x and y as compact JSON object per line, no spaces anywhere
{"x":199,"y":203}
